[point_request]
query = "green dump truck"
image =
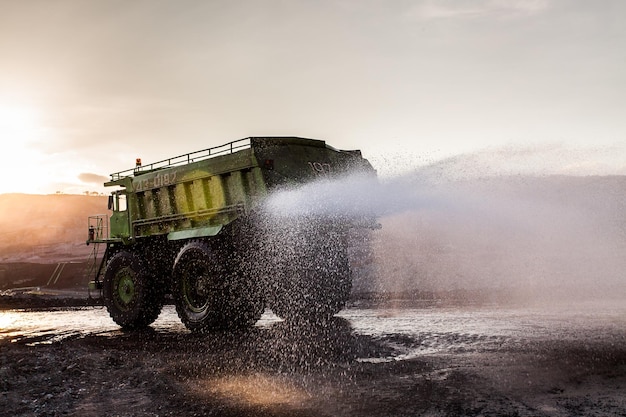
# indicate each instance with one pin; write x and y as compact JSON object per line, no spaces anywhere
{"x":193,"y":229}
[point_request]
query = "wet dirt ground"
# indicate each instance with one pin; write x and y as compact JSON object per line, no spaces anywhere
{"x":567,"y":360}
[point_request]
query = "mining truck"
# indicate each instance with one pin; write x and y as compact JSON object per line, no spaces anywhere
{"x":194,"y":230}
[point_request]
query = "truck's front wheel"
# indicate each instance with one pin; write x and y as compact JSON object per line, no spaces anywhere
{"x":130,"y":297}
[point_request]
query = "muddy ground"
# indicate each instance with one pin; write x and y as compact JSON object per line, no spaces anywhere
{"x":341,"y":369}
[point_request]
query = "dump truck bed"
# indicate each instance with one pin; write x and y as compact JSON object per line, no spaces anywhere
{"x":198,"y":193}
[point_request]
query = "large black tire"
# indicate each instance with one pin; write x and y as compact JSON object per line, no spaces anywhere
{"x":208,"y":294}
{"x":316,"y":283}
{"x":132,"y":297}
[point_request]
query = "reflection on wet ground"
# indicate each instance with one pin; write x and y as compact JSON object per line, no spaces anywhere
{"x":405,"y":332}
{"x":414,"y":332}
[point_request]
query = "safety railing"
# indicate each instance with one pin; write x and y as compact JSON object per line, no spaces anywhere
{"x":98,"y":231}
{"x":97,"y":227}
{"x":188,"y":158}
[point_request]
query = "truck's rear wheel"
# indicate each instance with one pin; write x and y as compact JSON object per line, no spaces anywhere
{"x":208,"y":294}
{"x":130,"y":296}
{"x":315,"y":286}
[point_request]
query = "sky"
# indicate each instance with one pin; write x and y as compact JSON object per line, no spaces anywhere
{"x":88,"y":86}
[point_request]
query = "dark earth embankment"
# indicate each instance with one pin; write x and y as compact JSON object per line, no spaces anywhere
{"x":43,"y":255}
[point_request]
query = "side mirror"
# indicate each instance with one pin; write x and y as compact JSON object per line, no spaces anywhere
{"x":111,"y":202}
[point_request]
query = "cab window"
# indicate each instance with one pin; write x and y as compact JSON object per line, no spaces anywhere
{"x":117,"y":201}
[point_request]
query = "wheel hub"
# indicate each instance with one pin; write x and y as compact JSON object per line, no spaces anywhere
{"x":126,"y":289}
{"x":197,"y":291}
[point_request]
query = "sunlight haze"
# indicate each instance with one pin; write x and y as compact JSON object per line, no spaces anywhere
{"x":88,"y":86}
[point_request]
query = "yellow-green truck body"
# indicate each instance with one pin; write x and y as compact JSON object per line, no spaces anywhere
{"x":200,"y":208}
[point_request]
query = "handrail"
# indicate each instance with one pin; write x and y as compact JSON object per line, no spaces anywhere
{"x":188,"y":158}
{"x":98,"y":227}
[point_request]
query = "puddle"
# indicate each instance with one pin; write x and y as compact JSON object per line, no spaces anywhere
{"x":407,"y":332}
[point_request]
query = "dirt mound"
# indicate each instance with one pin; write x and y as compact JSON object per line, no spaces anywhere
{"x":42,"y":240}
{"x":46,"y":228}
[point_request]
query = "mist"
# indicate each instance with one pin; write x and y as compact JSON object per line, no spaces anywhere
{"x":531,"y":237}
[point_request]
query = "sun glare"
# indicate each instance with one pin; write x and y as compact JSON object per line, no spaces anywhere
{"x":20,"y":129}
{"x":6,"y":320}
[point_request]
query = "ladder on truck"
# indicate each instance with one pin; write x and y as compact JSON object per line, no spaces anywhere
{"x":98,"y":230}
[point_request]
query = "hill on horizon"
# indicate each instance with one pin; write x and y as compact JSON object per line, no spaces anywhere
{"x":46,"y":228}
